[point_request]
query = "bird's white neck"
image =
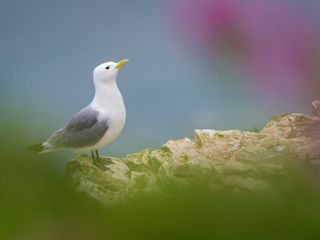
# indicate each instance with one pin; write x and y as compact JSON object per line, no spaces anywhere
{"x":107,"y":96}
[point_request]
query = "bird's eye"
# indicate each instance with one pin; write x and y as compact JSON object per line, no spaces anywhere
{"x":107,"y":67}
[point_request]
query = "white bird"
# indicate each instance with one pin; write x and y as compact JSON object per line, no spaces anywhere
{"x":96,"y":125}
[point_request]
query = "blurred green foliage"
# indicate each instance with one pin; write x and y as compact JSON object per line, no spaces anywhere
{"x":37,"y":202}
{"x":254,"y":129}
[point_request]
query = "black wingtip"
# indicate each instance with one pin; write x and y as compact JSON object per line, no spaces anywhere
{"x":35,"y":149}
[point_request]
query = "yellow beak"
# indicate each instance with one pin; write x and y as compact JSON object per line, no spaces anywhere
{"x":121,"y":63}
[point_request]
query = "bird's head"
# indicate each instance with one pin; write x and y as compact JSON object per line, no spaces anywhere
{"x":107,"y":72}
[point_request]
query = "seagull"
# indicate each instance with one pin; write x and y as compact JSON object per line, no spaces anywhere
{"x":96,"y":125}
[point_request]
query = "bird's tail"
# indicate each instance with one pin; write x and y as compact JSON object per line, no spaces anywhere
{"x":35,"y":149}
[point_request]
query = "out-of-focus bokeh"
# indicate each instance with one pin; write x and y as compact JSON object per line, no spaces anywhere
{"x":270,"y":47}
{"x":216,"y":64}
{"x":194,"y":64}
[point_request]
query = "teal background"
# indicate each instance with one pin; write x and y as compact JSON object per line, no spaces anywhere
{"x":49,"y":49}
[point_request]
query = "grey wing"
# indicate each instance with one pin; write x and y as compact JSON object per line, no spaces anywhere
{"x":83,"y":130}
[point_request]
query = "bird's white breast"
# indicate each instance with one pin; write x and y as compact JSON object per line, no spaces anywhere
{"x":116,"y":119}
{"x":109,"y":103}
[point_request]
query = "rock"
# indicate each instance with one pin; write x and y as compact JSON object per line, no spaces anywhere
{"x":234,"y":159}
{"x":316,"y":108}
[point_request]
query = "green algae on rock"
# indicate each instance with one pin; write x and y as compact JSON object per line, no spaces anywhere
{"x":233,"y":159}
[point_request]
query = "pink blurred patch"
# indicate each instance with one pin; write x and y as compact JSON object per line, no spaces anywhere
{"x":274,"y":43}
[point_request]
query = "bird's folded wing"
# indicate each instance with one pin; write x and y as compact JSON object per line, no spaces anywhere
{"x":83,"y":130}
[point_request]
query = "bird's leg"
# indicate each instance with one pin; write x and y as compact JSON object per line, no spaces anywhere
{"x":97,"y":154}
{"x":92,"y":155}
{"x":95,"y":157}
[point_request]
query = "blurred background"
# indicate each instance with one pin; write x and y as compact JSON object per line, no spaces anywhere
{"x":218,"y":64}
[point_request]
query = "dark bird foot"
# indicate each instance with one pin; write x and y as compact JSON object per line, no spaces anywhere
{"x":100,"y":162}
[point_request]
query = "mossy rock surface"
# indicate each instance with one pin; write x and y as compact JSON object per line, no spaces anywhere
{"x":233,"y":159}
